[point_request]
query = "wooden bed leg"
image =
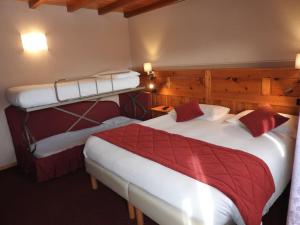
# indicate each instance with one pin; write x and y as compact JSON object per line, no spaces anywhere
{"x":94,"y":183}
{"x":139,"y":217}
{"x":131,"y":211}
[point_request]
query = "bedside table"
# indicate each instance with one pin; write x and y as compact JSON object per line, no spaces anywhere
{"x":159,"y":111}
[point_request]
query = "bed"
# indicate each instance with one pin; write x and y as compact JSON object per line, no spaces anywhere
{"x":189,"y":201}
{"x":49,"y":123}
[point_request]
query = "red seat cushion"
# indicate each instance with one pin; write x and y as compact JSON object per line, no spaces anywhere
{"x":262,"y":120}
{"x":188,"y":111}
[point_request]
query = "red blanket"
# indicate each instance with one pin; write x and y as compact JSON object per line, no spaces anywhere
{"x":244,"y":178}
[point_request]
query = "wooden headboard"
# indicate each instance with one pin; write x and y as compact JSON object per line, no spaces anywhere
{"x":238,"y":89}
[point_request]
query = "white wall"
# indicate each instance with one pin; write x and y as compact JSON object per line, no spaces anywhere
{"x":217,"y":32}
{"x":80,"y":43}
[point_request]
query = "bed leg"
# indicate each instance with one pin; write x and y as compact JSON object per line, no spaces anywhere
{"x":139,"y":217}
{"x":94,"y":183}
{"x":131,"y":211}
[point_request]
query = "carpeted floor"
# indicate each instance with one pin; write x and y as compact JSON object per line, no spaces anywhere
{"x":70,"y":201}
{"x":65,"y":201}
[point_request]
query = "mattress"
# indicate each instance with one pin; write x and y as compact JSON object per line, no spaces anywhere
{"x":198,"y":200}
{"x":45,"y":94}
{"x":68,"y":140}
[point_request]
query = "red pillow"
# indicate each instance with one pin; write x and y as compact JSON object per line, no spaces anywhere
{"x":188,"y":111}
{"x":262,"y":120}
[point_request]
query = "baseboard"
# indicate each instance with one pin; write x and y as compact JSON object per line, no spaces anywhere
{"x":8,"y":166}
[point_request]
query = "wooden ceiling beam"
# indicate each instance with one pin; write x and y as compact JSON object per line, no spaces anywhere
{"x":115,"y":5}
{"x":150,"y":7}
{"x":77,"y":4}
{"x":35,"y":3}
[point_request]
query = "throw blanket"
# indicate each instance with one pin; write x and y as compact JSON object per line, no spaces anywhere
{"x":244,"y":178}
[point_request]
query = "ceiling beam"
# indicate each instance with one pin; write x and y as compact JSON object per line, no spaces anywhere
{"x":35,"y":3}
{"x":150,"y":7}
{"x":77,"y":4}
{"x":115,"y":5}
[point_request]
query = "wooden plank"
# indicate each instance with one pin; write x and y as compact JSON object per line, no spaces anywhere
{"x":266,"y":86}
{"x":35,"y":3}
{"x":113,"y":6}
{"x":77,"y":4}
{"x":275,"y":100}
{"x":131,"y":211}
{"x":150,"y":7}
{"x":207,"y":85}
{"x":94,"y":183}
{"x":290,"y":87}
{"x":139,"y":217}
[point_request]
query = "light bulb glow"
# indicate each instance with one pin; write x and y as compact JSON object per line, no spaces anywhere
{"x":34,"y":42}
{"x":147,"y":67}
{"x":151,"y":86}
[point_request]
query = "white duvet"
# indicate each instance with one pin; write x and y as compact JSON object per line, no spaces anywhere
{"x":196,"y":199}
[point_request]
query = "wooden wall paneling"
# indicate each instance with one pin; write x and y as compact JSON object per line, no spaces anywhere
{"x":289,"y":87}
{"x":266,"y":86}
{"x":237,"y":84}
{"x":239,"y":89}
{"x":207,"y":85}
{"x":184,"y":84}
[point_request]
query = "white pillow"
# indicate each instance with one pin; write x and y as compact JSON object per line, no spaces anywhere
{"x":236,"y":118}
{"x":211,"y":112}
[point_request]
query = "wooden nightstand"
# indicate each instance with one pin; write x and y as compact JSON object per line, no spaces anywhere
{"x":159,"y":111}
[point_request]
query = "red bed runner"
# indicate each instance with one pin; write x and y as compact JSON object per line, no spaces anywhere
{"x":244,"y":178}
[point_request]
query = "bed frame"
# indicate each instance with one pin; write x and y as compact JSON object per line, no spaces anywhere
{"x":138,"y":200}
{"x":238,"y":89}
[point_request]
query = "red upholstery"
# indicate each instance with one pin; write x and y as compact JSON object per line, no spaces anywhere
{"x":49,"y":122}
{"x":243,"y":177}
{"x":262,"y":120}
{"x":63,"y":162}
{"x":142,"y":110}
{"x":188,"y":111}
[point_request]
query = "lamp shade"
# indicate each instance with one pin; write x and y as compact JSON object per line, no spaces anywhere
{"x":297,"y":64}
{"x":147,"y":67}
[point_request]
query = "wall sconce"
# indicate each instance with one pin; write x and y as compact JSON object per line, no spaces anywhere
{"x":297,"y":62}
{"x":149,"y":71}
{"x":148,"y":68}
{"x":34,"y":42}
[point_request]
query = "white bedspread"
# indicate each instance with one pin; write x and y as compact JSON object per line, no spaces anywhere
{"x":44,"y":94}
{"x":197,"y":199}
{"x":61,"y":142}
